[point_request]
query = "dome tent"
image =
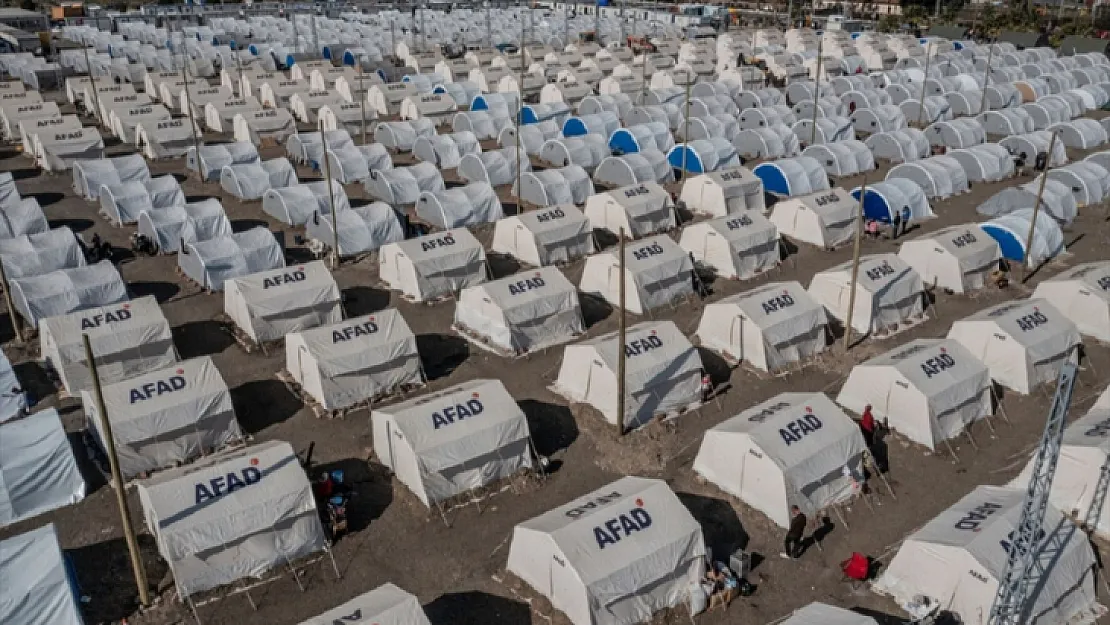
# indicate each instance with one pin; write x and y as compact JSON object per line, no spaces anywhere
{"x":295,"y":205}
{"x":1081,"y":295}
{"x":361,"y":230}
{"x":433,"y":266}
{"x":930,"y":390}
{"x":494,"y":167}
{"x":446,"y":151}
{"x":795,"y":449}
{"x":938,"y":176}
{"x":890,"y":297}
{"x":403,"y":185}
{"x":957,"y":258}
{"x":549,"y":236}
{"x":885,"y":199}
{"x":842,"y":158}
{"x":801,"y":175}
{"x":67,"y":291}
{"x":770,"y":327}
{"x":1057,"y":200}
{"x":438,"y":453}
{"x":42,"y":589}
{"x":987,"y":162}
{"x":550,"y":187}
{"x":171,"y":228}
{"x":658,"y":271}
{"x":1012,"y":231}
{"x":473,"y":204}
{"x":1023,"y":342}
{"x":723,"y":192}
{"x":209,"y":263}
{"x":520,"y":313}
{"x":777,"y":141}
{"x":638,"y":210}
{"x":826,"y":219}
{"x":899,"y":146}
{"x":40,"y":475}
{"x":663,"y":371}
{"x":738,"y":246}
{"x":401,"y":136}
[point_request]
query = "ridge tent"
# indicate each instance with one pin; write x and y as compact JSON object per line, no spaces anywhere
{"x":403,"y":185}
{"x":385,"y":605}
{"x":165,"y":417}
{"x":1081,"y":294}
{"x":1023,"y":342}
{"x":210,"y":263}
{"x":663,"y":372}
{"x":939,"y":177}
{"x":638,"y":210}
{"x":232,"y":515}
{"x":798,"y":445}
{"x":433,"y":266}
{"x":630,"y":550}
{"x":957,"y":258}
{"x":57,"y":151}
{"x":220,"y":116}
{"x":305,"y":106}
{"x":270,"y":304}
{"x":826,"y":218}
{"x":824,"y":614}
{"x":471,"y":205}
{"x":125,"y":121}
{"x":172,"y":227}
{"x":250,"y":181}
{"x":355,"y":360}
{"x":263,"y":126}
{"x":885,"y":199}
{"x":736,"y":247}
{"x":38,"y":472}
{"x":167,"y":138}
{"x":723,"y":192}
{"x":30,"y":129}
{"x":659,"y":272}
{"x":32,"y":255}
{"x":890,"y":297}
{"x":551,"y":187}
{"x":549,"y":236}
{"x":449,"y":442}
{"x":948,"y":559}
{"x":127,"y":339}
{"x":790,"y":177}
{"x":769,"y":327}
{"x":1012,"y":231}
{"x":521,"y":313}
{"x":296,"y":204}
{"x":39,"y":582}
{"x":67,"y":290}
{"x":931,"y":390}
{"x":361,"y":230}
{"x":343,"y":115}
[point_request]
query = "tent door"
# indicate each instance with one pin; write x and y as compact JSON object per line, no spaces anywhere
{"x":736,"y":335}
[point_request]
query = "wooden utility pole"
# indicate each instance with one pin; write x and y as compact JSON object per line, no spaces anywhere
{"x":361,"y":102}
{"x":331,"y":198}
{"x":924,"y":82}
{"x":192,"y":118}
{"x":855,"y":265}
{"x":686,"y":126}
{"x":519,"y":118}
{"x":816,"y":91}
{"x":121,"y":488}
{"x":621,"y":330}
{"x":986,"y":79}
{"x":11,"y":307}
{"x":1037,"y":206}
{"x":95,"y":94}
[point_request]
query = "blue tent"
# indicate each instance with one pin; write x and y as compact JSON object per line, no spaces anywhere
{"x":622,"y":141}
{"x":253,"y":49}
{"x":774,"y":178}
{"x":529,"y":116}
{"x":349,"y":58}
{"x":1013,"y":248}
{"x":694,"y":162}
{"x":574,"y":127}
{"x":876,"y":206}
{"x":290,"y":61}
{"x":479,"y":104}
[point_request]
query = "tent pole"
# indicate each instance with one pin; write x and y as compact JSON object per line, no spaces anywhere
{"x":621,"y":331}
{"x":816,"y":91}
{"x":986,"y":80}
{"x":96,"y":95}
{"x":192,"y":117}
{"x":998,"y":401}
{"x":331,"y":196}
{"x":685,"y":129}
{"x":117,"y":479}
{"x":11,"y":308}
{"x":1037,"y":207}
{"x":855,"y":265}
{"x":869,"y":464}
{"x":331,"y":556}
{"x":519,"y":118}
{"x":925,"y":81}
{"x":361,"y":102}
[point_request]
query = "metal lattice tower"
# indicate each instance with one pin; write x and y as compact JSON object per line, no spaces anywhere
{"x":1029,"y":557}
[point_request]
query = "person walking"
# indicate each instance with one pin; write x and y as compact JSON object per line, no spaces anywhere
{"x":867,"y":426}
{"x":895,"y":224}
{"x":906,"y":214}
{"x":792,"y":544}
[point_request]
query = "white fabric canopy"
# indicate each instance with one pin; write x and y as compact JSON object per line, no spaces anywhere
{"x":38,"y":587}
{"x":38,"y":472}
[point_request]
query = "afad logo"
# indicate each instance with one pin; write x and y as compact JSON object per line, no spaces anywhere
{"x":228,"y":483}
{"x":123,"y":313}
{"x":150,"y":390}
{"x":801,"y":427}
{"x":622,"y":526}
{"x":282,"y":279}
{"x":635,"y":347}
{"x":449,"y":415}
{"x":370,"y":326}
{"x":935,"y":365}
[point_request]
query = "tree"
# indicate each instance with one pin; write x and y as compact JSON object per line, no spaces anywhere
{"x":889,"y":24}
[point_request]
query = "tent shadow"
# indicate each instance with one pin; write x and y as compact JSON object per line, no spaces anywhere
{"x":721,"y":528}
{"x":373,"y":490}
{"x":262,"y":403}
{"x":594,"y":309}
{"x":552,"y":426}
{"x":364,"y":300}
{"x":201,"y":338}
{"x":162,"y":291}
{"x":33,"y":379}
{"x":94,"y":475}
{"x":24,"y":173}
{"x":47,"y":198}
{"x":104,"y":575}
{"x":76,"y":225}
{"x":477,"y":608}
{"x":502,"y":265}
{"x":716,"y":366}
{"x":242,"y":225}
{"x":441,"y":353}
{"x":880,"y":617}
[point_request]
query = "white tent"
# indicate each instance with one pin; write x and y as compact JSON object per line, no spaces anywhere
{"x":1023,"y":342}
{"x":659,"y":272}
{"x":958,"y":258}
{"x":32,"y":255}
{"x":403,"y":185}
{"x":629,"y":550}
{"x":361,"y":230}
{"x":89,"y":176}
{"x":57,"y":151}
{"x":213,"y":158}
{"x":270,"y":304}
{"x":38,"y":472}
{"x":549,"y":236}
{"x":986,"y":162}
{"x":452,"y":441}
{"x":166,"y":417}
{"x":723,"y":192}
{"x":824,"y":614}
{"x":385,"y":605}
{"x":520,"y":313}
{"x":663,"y":372}
{"x":358,"y":359}
{"x":20,"y":217}
{"x":790,"y":177}
{"x":295,"y":205}
{"x":938,"y":176}
{"x":898,"y":146}
{"x":270,"y":126}
{"x":959,"y":556}
{"x":1012,"y":231}
{"x":551,"y":187}
{"x":737,"y":247}
{"x":433,"y":266}
{"x":12,"y":405}
{"x":1082,"y":294}
{"x":826,"y":219}
{"x":470,"y":205}
{"x":67,"y":290}
{"x":122,"y":203}
{"x":638,"y":210}
{"x":842,"y":158}
{"x":798,"y":445}
{"x":929,"y":389}
{"x":171,"y":228}
{"x":251,"y":180}
{"x":401,"y":136}
{"x":446,"y":151}
{"x":890,"y":296}
{"x":38,"y":584}
{"x":232,"y":515}
{"x":770,"y":327}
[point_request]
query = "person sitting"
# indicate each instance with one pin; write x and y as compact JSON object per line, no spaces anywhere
{"x":873,"y":228}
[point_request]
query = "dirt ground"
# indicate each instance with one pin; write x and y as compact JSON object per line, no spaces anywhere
{"x":458,"y":570}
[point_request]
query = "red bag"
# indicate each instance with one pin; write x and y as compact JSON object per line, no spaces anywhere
{"x":856,"y":567}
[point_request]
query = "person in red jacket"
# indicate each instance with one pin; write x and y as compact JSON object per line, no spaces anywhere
{"x":867,"y":426}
